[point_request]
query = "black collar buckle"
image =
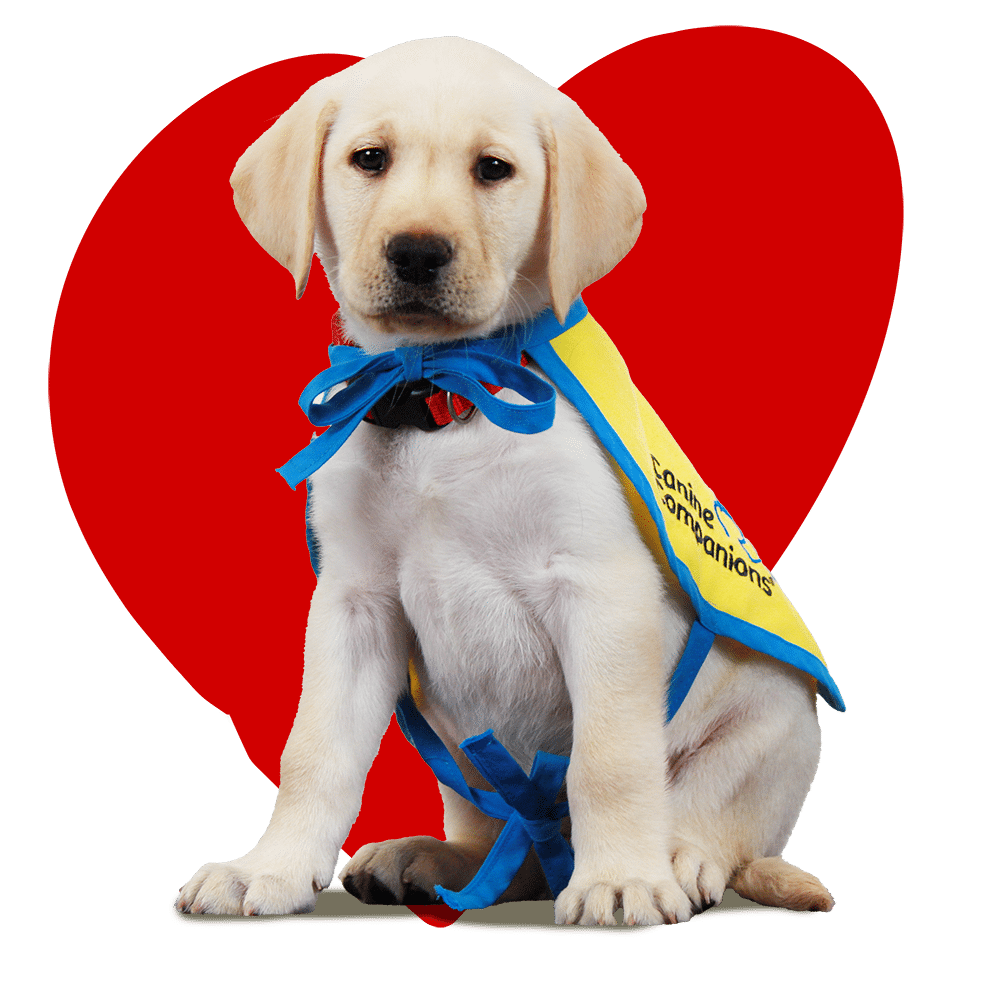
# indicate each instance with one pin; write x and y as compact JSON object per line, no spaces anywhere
{"x":405,"y":404}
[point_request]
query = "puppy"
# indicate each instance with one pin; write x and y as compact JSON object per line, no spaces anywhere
{"x":449,"y":193}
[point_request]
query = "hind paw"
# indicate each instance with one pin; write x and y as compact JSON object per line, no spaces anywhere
{"x":406,"y":870}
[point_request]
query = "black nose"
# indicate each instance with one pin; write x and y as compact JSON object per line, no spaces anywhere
{"x":417,"y":257}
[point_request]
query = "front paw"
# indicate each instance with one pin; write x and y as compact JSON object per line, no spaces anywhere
{"x":702,"y":878}
{"x":249,"y":888}
{"x":643,"y":903}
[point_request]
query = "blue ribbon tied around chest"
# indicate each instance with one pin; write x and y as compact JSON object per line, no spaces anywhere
{"x":343,"y":394}
{"x":526,"y":801}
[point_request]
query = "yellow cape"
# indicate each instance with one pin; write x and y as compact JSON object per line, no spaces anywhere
{"x":685,"y":527}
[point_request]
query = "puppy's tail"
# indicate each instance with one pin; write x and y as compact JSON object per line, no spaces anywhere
{"x":774,"y":882}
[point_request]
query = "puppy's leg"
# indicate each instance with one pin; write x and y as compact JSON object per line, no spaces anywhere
{"x":406,"y":870}
{"x":742,"y":753}
{"x":608,"y":621}
{"x":355,"y":667}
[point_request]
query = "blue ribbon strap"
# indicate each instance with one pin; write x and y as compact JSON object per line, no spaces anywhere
{"x":534,"y":819}
{"x":526,"y":802}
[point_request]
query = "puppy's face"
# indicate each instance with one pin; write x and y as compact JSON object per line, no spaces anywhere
{"x":432,"y":191}
{"x":447,"y":191}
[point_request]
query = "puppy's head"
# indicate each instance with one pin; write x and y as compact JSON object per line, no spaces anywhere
{"x":446,"y":190}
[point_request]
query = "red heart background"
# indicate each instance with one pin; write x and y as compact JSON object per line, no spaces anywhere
{"x":772,"y":236}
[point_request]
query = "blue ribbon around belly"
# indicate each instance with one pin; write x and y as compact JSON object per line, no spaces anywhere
{"x":527,"y":803}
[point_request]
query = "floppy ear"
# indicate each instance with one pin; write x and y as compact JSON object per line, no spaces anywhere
{"x":595,"y":204}
{"x":275,"y":183}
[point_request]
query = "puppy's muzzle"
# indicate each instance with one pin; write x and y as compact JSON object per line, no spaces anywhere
{"x":418,"y":258}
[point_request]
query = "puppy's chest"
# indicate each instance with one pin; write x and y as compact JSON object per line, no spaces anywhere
{"x":480,"y":528}
{"x":491,"y":527}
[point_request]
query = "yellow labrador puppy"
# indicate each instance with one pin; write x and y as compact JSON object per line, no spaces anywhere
{"x":449,"y":192}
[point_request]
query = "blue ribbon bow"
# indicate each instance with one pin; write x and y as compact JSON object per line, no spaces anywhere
{"x":527,"y":802}
{"x":461,"y":367}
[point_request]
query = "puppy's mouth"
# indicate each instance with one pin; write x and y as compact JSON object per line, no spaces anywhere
{"x":414,"y":308}
{"x":409,"y":313}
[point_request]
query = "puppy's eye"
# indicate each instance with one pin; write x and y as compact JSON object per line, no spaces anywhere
{"x":372,"y":159}
{"x":493,"y":169}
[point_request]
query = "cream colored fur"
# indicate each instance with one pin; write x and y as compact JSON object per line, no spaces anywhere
{"x":508,"y":566}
